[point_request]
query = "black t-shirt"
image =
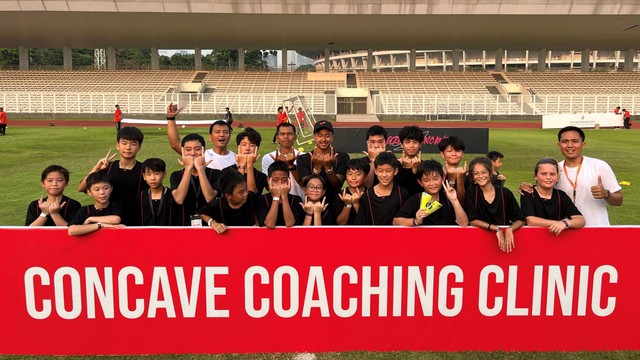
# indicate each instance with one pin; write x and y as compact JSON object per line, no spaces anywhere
{"x":262,"y":181}
{"x":67,"y":212}
{"x":263,"y":204}
{"x":305,"y":168}
{"x":408,"y":180}
{"x":88,"y":211}
{"x":127,"y":184}
{"x":446,"y":215}
{"x":376,"y":210}
{"x":504,"y":209}
{"x":559,"y":207}
{"x":221,"y":212}
{"x":194,"y":199}
{"x":160,"y":212}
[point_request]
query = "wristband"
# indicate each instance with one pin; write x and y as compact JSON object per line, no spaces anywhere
{"x":171,"y":118}
{"x":329,"y":171}
{"x":348,"y":206}
{"x":415,"y":223}
{"x":498,"y":229}
{"x":99,"y":225}
{"x":43,"y":215}
{"x":316,"y":171}
{"x":566,"y":224}
{"x":209,"y":222}
{"x":489,"y":227}
{"x":608,"y":194}
{"x":276,"y":198}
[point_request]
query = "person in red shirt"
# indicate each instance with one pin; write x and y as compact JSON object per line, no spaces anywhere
{"x":3,"y":122}
{"x":117,"y":117}
{"x":627,"y":118}
{"x":300,"y":114}
{"x":282,"y":118}
{"x":616,"y":110}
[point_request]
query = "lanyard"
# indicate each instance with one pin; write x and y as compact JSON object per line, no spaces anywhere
{"x":153,"y":212}
{"x":197,"y":190}
{"x":573,"y":185}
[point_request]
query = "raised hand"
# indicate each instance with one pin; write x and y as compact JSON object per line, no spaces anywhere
{"x":411,"y":162}
{"x":329,"y":160}
{"x":55,"y":207}
{"x":452,"y":195}
{"x":288,"y":158}
{"x":251,"y":159}
{"x":598,"y":191}
{"x":307,"y":206}
{"x":285,"y":187}
{"x":355,"y":197}
{"x":320,"y":206}
{"x":104,"y":162}
{"x":172,"y":110}
{"x":525,"y":187}
{"x":198,"y":162}
{"x":346,"y":198}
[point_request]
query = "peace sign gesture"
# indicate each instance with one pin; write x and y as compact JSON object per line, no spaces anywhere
{"x":104,"y":162}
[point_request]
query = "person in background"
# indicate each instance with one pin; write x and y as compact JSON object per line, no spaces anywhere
{"x":496,"y":163}
{"x":117,"y":117}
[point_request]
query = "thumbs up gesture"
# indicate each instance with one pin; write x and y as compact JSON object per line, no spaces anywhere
{"x":598,"y":191}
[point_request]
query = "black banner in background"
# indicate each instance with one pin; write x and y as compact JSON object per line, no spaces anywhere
{"x":353,"y":140}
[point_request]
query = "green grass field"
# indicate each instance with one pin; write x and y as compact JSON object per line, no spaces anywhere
{"x":28,"y":150}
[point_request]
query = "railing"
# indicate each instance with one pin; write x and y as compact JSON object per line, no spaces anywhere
{"x":250,"y":103}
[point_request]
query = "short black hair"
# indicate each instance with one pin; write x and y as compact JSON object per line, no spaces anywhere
{"x":54,"y":168}
{"x":480,"y":160}
{"x":571,"y":128}
{"x":219,"y":122}
{"x":455,"y":142}
{"x":377,"y":130}
{"x":97,"y":178}
{"x":543,"y":161}
{"x":495,"y":155}
{"x":229,"y":180}
{"x":131,"y":133}
{"x":154,"y":164}
{"x":411,"y":133}
{"x":306,"y":179}
{"x":193,"y":137}
{"x":386,"y":158}
{"x":250,"y":133}
{"x":285,"y":124}
{"x":430,"y":167}
{"x":278,"y":166}
{"x":361,"y":164}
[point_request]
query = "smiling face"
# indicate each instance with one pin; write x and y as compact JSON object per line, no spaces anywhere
{"x":571,"y":145}
{"x":452,"y":156}
{"x":431,"y":183}
{"x":314,"y":190}
{"x":54,"y":183}
{"x":355,"y":178}
{"x":481,"y":175}
{"x":193,"y":148}
{"x":547,"y":176}
{"x":128,"y":149}
{"x":385,"y":174}
{"x":411,"y":147}
{"x":220,"y":136}
{"x":323,"y":139}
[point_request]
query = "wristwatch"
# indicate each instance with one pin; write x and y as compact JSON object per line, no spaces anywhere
{"x":43,"y":215}
{"x":348,"y":206}
{"x":608,"y":194}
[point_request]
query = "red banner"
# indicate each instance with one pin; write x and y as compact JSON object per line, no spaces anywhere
{"x":185,"y":290}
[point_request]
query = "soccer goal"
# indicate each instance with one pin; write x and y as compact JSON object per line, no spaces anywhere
{"x":301,"y":116}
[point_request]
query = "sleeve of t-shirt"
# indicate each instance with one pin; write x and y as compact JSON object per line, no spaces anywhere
{"x":212,"y":209}
{"x":297,"y":209}
{"x":262,"y":209}
{"x":261,"y":181}
{"x":609,"y":180}
{"x":32,"y":213}
{"x":512,"y":206}
{"x":174,"y":179}
{"x":569,"y":209}
{"x":80,"y":217}
{"x":363,"y":216}
{"x":470,"y":205}
{"x":527,"y":204}
{"x":341,"y":166}
{"x":266,"y":161}
{"x":116,"y":209}
{"x":72,"y":208}
{"x":304,"y":165}
{"x":410,"y":207}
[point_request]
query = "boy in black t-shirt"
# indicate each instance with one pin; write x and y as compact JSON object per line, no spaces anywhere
{"x":156,"y":205}
{"x":379,"y":205}
{"x":103,"y":212}
{"x":236,"y":207}
{"x":125,"y":174}
{"x":57,"y":209}
{"x":411,"y":138}
{"x":248,"y":144}
{"x":191,"y":186}
{"x":279,"y":208}
{"x":416,"y":212}
{"x":346,"y":209}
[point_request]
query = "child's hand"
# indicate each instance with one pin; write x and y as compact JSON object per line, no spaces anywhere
{"x":411,"y":162}
{"x":252,"y":158}
{"x":346,"y":198}
{"x":355,"y":197}
{"x":43,"y":205}
{"x":198,"y":162}
{"x":420,"y":214}
{"x":319,"y":207}
{"x":307,"y":206}
{"x":218,"y":227}
{"x":104,"y":162}
{"x":55,"y":207}
{"x":452,"y":195}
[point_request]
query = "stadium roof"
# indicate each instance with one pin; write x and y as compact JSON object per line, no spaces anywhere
{"x":319,"y":24}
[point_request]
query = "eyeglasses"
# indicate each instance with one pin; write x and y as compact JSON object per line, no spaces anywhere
{"x":314,"y":188}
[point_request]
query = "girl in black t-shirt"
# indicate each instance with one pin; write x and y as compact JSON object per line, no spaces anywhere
{"x":489,"y":206}
{"x":547,"y":206}
{"x":315,"y":203}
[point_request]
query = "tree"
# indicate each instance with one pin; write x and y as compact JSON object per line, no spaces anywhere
{"x":9,"y":58}
{"x":306,"y":68}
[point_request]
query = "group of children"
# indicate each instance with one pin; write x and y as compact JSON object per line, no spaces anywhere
{"x":305,"y":189}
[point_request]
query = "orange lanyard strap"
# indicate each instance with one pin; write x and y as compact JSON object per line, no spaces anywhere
{"x":573,"y":185}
